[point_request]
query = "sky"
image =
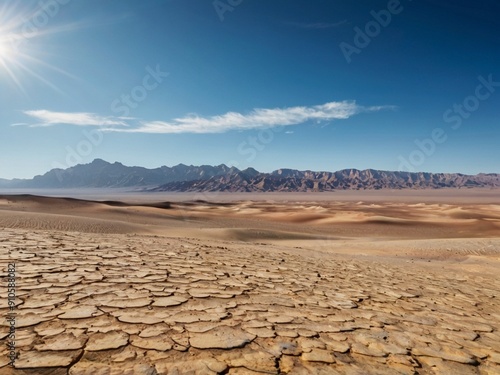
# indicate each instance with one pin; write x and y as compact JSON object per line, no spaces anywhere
{"x":306,"y":84}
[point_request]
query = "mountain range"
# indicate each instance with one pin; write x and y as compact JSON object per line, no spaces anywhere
{"x":101,"y":174}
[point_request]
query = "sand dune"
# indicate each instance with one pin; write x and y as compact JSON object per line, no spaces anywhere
{"x":36,"y":220}
{"x":252,"y":287}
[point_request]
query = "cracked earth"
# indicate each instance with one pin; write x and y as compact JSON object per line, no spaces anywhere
{"x":108,"y":303}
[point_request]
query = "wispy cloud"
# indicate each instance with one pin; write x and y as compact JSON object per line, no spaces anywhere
{"x":317,"y":25}
{"x":256,"y":119}
{"x":49,"y":118}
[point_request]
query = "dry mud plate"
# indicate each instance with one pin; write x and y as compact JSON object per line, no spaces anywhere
{"x":97,"y":303}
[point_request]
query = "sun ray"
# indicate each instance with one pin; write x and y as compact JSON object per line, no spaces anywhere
{"x":50,"y":66}
{"x":11,"y":74}
{"x":21,"y":46}
{"x":39,"y":77}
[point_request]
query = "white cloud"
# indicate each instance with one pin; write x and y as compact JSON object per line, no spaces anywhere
{"x":256,"y":119}
{"x":49,"y":118}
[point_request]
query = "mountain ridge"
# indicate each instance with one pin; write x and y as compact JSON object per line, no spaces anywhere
{"x":181,"y":177}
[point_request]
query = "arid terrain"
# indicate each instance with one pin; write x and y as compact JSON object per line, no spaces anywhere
{"x":353,"y":283}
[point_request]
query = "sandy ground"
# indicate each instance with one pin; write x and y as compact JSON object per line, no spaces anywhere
{"x":373,"y":283}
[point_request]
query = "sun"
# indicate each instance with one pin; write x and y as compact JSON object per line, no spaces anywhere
{"x":7,"y":55}
{"x":10,"y":47}
{"x":10,"y":61}
{"x":6,"y":51}
{"x":24,"y":33}
{"x":10,"y":36}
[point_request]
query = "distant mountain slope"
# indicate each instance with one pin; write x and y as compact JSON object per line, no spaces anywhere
{"x":3,"y":181}
{"x":348,"y":179}
{"x":101,"y":174}
{"x":10,"y":183}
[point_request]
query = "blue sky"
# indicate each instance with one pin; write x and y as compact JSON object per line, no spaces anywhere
{"x":321,"y":85}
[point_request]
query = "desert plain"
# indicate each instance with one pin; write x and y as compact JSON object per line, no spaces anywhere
{"x":361,"y":283}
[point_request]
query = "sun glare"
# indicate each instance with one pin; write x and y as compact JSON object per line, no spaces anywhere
{"x":5,"y":50}
{"x":23,"y":33}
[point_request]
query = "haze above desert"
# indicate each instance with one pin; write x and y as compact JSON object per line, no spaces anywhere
{"x":130,"y":195}
{"x":350,"y":282}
